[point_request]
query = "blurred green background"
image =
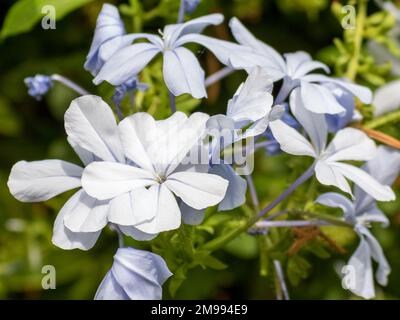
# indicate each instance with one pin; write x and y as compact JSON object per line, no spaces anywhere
{"x":33,"y":130}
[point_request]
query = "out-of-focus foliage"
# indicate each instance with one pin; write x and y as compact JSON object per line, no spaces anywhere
{"x":33,"y":130}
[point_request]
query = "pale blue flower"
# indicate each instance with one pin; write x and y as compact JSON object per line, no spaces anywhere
{"x":346,"y":100}
{"x":129,"y":86}
{"x":385,"y":168}
{"x":109,"y":29}
{"x":38,"y":85}
{"x":181,"y":69}
{"x":134,"y":275}
{"x":295,"y":69}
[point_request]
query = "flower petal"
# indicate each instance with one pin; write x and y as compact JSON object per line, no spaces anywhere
{"x":290,"y":140}
{"x":336,"y":200}
{"x":183,"y":73}
{"x":126,"y":63}
{"x":106,"y":180}
{"x":87,"y":214}
{"x":198,"y":190}
{"x":190,"y":215}
{"x":135,"y":275}
{"x":350,"y":144}
{"x":236,"y":193}
{"x":127,"y":209}
{"x":300,"y":63}
{"x":42,"y":180}
{"x":136,"y":234}
{"x":167,"y":212}
{"x":314,"y":124}
{"x":363,"y":93}
{"x":67,"y":239}
{"x":91,"y":124}
{"x":319,"y":99}
{"x":330,"y":176}
{"x":364,"y":181}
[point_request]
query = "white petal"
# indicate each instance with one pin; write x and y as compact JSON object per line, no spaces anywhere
{"x":87,"y":214}
{"x":137,"y":133}
{"x":126,"y":63}
{"x":183,"y":73}
{"x":372,"y":214}
{"x":365,"y":181}
{"x":106,"y":180}
{"x":42,"y":180}
{"x":236,"y":193}
{"x":198,"y":190}
{"x":65,"y":238}
{"x":127,"y":209}
{"x":167,"y":212}
{"x":319,"y":99}
{"x":252,"y":101}
{"x":363,"y":93}
{"x":91,"y":124}
{"x":336,"y":200}
{"x":331,"y":176}
{"x":300,"y":63}
{"x":290,"y":140}
{"x":83,"y":154}
{"x":135,"y":275}
{"x":314,"y":124}
{"x":350,"y":144}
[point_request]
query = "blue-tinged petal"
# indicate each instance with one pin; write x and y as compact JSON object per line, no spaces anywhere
{"x":313,"y":123}
{"x":90,"y":123}
{"x":134,"y":275}
{"x":190,"y":215}
{"x":183,"y":73}
{"x":330,"y":176}
{"x":337,"y":200}
{"x":38,"y":85}
{"x":42,"y":180}
{"x":319,"y":99}
{"x":361,"y":92}
{"x":386,"y":98}
{"x":108,"y":26}
{"x":137,"y":234}
{"x":126,"y":63}
{"x":300,"y":63}
{"x":236,"y":193}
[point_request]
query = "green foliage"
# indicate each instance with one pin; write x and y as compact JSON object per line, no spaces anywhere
{"x":23,"y":16}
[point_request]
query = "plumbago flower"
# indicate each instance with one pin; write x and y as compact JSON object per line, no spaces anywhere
{"x":134,"y":275}
{"x":181,"y":69}
{"x":385,"y":168}
{"x":295,"y":69}
{"x":93,"y":134}
{"x":247,"y":116}
{"x":155,"y":173}
{"x":348,"y":144}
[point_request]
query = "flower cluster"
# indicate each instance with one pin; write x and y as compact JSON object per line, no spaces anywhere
{"x":144,"y":176}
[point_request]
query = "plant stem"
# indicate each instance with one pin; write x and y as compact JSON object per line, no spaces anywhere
{"x":253,"y":192}
{"x":69,"y":84}
{"x":220,"y":74}
{"x":358,"y":40}
{"x":221,"y":241}
{"x":282,"y":284}
{"x":181,"y":16}
{"x":385,"y":119}
{"x":172,"y":102}
{"x":291,"y":223}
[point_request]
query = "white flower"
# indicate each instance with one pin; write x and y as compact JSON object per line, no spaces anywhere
{"x":385,"y":168}
{"x":134,"y":275}
{"x":347,"y":144}
{"x":181,"y":69}
{"x":387,"y":98}
{"x":92,"y":132}
{"x":295,"y":69}
{"x":141,"y":192}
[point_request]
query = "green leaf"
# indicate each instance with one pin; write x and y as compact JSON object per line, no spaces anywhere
{"x":177,"y":280}
{"x":24,"y":14}
{"x":297,"y":269}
